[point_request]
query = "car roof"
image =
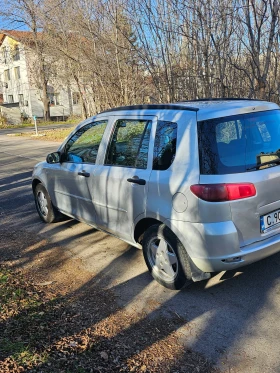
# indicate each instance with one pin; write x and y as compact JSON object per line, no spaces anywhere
{"x":204,"y":108}
{"x":217,"y":108}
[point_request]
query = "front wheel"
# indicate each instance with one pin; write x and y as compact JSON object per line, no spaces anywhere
{"x":47,"y":212}
{"x":166,"y":257}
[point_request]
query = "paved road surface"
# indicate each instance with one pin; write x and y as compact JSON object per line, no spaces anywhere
{"x":233,"y":319}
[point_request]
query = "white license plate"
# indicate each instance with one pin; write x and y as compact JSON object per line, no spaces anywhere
{"x":270,"y":220}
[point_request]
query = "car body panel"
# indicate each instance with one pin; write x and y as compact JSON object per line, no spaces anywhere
{"x":118,"y":202}
{"x":217,"y":236}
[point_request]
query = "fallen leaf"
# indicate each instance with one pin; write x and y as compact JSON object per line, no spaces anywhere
{"x":104,"y":355}
{"x":44,"y":283}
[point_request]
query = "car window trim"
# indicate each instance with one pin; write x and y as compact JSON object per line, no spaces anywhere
{"x":112,"y":123}
{"x":63,"y":153}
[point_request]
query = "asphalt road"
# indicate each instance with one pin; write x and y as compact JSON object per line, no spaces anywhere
{"x":233,"y":319}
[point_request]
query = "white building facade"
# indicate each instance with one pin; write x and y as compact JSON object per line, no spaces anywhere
{"x":19,"y":90}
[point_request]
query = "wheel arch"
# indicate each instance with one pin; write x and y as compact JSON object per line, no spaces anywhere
{"x":35,"y":182}
{"x":146,"y":222}
{"x":142,"y":225}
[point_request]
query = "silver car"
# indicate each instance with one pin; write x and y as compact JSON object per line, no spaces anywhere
{"x":195,"y":184}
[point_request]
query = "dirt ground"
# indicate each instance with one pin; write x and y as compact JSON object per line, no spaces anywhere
{"x":56,"y":317}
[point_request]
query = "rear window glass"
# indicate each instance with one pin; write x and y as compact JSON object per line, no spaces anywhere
{"x":239,"y":143}
{"x":165,"y":145}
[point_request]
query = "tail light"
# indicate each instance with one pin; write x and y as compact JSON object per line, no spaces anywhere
{"x":223,"y":192}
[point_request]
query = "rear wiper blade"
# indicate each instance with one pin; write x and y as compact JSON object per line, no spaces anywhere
{"x":259,"y":165}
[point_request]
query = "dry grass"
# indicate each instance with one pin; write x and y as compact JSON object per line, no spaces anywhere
{"x":4,"y":124}
{"x":55,"y":317}
{"x":57,"y":135}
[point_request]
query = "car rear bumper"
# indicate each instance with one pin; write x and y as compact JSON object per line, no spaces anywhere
{"x":214,"y":247}
{"x":248,"y":255}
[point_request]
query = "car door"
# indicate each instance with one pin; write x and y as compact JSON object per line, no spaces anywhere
{"x":121,"y":183}
{"x":70,"y":181}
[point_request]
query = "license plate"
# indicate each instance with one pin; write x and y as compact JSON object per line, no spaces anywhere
{"x":270,"y":221}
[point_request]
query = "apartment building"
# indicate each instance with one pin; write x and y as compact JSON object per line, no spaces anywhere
{"x":21,"y":96}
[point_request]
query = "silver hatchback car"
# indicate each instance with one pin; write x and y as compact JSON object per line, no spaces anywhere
{"x":195,"y":184}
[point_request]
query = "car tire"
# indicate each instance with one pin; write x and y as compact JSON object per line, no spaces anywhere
{"x":46,"y":210}
{"x":166,"y":257}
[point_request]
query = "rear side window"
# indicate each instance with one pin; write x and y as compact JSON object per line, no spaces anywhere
{"x":165,"y":145}
{"x":129,"y":145}
{"x":238,"y":143}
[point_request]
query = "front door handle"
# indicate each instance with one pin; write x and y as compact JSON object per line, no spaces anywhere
{"x":84,"y":173}
{"x":136,"y":180}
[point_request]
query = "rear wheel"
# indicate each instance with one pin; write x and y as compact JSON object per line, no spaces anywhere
{"x":166,"y":257}
{"x":47,"y":212}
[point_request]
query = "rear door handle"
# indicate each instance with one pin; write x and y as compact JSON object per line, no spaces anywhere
{"x":84,"y":173}
{"x":137,"y":181}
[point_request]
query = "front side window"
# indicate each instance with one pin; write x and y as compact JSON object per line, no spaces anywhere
{"x":129,"y":145}
{"x":239,"y":143}
{"x":165,"y":145}
{"x":84,"y":144}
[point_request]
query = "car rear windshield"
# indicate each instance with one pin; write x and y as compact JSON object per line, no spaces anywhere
{"x":239,"y":143}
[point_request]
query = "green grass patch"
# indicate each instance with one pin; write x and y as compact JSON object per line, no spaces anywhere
{"x":21,"y":353}
{"x":57,"y":135}
{"x":14,"y":295}
{"x":40,"y":123}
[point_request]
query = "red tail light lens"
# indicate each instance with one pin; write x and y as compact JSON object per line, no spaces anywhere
{"x":223,"y":192}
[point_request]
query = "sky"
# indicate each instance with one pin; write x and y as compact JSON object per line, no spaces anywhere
{"x":8,"y":25}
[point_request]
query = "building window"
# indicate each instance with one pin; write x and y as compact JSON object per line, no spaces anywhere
{"x":5,"y":55}
{"x":76,"y":98}
{"x":54,"y":99}
{"x":10,"y":99}
{"x":17,"y":72}
{"x":7,"y":75}
{"x":21,"y":99}
{"x":16,"y":55}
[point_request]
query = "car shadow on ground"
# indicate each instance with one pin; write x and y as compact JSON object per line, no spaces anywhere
{"x":242,"y":294}
{"x":213,"y":317}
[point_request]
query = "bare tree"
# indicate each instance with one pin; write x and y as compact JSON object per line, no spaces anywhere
{"x":122,"y":52}
{"x":257,"y":29}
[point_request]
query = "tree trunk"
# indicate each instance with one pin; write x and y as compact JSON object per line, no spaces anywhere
{"x":84,"y":106}
{"x":45,"y":100}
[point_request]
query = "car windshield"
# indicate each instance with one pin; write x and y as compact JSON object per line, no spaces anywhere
{"x":239,"y":143}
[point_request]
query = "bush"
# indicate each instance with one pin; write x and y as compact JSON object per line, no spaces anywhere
{"x":3,"y":120}
{"x":74,"y":119}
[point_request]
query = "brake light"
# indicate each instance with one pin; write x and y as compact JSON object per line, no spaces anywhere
{"x":223,"y":192}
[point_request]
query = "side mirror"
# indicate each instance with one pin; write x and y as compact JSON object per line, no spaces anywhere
{"x":53,"y":157}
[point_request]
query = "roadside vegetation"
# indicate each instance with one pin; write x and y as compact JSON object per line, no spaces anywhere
{"x":131,"y":52}
{"x":57,"y":135}
{"x":40,"y":123}
{"x":44,"y":328}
